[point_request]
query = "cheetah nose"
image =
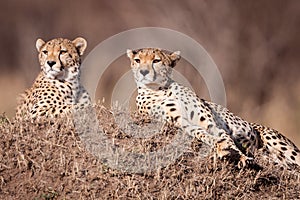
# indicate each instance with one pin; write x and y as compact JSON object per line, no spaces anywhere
{"x":51,"y":63}
{"x":144,"y":72}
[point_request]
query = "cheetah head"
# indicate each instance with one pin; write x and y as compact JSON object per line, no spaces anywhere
{"x":152,"y":68}
{"x":60,"y":58}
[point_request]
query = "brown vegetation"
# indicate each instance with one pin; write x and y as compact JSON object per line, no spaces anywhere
{"x":50,"y":161}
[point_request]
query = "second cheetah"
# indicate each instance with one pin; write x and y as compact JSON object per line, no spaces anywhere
{"x":161,"y":97}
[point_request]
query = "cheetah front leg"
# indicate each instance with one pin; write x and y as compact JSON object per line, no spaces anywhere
{"x":218,"y":139}
{"x":225,"y":147}
{"x":223,"y":143}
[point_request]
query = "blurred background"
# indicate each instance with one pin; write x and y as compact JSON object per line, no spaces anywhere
{"x":255,"y":45}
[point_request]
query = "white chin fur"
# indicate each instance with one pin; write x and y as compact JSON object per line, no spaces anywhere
{"x":53,"y":74}
{"x":145,"y":81}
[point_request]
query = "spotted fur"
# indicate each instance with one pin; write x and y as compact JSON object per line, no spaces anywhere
{"x":277,"y":146}
{"x":57,"y":88}
{"x":161,"y":97}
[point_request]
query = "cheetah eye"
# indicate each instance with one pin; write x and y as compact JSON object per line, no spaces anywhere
{"x":156,"y":60}
{"x":137,"y":60}
{"x":63,"y":51}
{"x":45,"y":52}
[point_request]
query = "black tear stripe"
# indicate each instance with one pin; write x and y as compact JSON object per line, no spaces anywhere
{"x":61,"y":64}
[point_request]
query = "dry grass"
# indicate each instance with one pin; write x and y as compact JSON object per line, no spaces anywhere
{"x":50,"y":161}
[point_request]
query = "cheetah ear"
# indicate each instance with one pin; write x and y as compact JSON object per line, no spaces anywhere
{"x":130,"y":53}
{"x":39,"y":43}
{"x":175,"y":57}
{"x":80,"y":44}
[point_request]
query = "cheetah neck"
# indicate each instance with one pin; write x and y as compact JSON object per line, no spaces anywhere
{"x":71,"y":76}
{"x":155,"y":86}
{"x":156,"y":91}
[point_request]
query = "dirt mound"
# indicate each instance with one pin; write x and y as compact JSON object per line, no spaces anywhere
{"x":50,"y":161}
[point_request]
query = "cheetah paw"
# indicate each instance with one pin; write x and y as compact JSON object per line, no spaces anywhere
{"x":245,"y":161}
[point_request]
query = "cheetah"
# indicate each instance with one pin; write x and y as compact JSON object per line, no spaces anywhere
{"x":57,"y":88}
{"x":232,"y":137}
